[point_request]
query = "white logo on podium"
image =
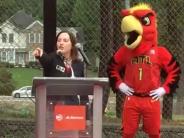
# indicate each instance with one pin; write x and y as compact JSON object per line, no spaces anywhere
{"x":59,"y":117}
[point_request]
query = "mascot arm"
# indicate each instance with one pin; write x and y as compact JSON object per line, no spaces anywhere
{"x":171,"y":68}
{"x":115,"y":70}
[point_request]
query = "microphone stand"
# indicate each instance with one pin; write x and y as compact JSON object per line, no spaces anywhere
{"x":84,"y":56}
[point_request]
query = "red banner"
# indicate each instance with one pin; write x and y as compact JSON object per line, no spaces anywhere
{"x":69,"y":117}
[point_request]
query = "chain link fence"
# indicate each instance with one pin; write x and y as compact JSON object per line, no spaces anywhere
{"x":96,"y":24}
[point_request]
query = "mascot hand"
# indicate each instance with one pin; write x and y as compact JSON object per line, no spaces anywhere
{"x":126,"y":89}
{"x":157,"y":93}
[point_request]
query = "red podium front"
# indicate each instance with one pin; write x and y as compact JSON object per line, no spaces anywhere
{"x":63,"y":112}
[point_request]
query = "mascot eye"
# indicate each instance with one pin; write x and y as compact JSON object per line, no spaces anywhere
{"x":146,"y":21}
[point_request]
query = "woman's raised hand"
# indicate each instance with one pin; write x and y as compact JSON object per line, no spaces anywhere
{"x":38,"y":52}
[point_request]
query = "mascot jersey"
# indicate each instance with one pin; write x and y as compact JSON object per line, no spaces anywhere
{"x":139,"y":61}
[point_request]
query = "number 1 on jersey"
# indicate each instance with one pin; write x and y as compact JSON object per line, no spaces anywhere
{"x":140,"y":73}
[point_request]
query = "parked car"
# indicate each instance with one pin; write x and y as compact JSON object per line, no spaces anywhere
{"x":22,"y":92}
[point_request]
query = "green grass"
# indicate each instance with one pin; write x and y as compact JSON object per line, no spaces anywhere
{"x":17,"y":109}
{"x":24,"y":76}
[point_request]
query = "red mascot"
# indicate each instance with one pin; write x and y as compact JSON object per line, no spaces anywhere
{"x":135,"y":70}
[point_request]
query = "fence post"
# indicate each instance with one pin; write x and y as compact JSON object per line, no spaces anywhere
{"x":49,"y":27}
{"x":106,"y":42}
{"x":171,"y":25}
{"x":117,"y":35}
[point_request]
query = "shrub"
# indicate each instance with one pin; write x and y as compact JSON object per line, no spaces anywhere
{"x":34,"y":64}
{"x":6,"y":82}
{"x":3,"y":64}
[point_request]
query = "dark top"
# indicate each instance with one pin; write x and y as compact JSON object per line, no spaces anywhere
{"x":54,"y":66}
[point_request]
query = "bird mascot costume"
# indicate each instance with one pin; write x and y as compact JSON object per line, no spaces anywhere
{"x":135,"y":70}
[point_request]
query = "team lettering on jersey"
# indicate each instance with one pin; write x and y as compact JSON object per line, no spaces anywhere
{"x":141,"y":60}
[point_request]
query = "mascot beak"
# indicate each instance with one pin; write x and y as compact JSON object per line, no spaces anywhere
{"x":133,"y":31}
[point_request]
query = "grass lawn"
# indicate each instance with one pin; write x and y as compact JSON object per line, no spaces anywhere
{"x":24,"y":76}
{"x":19,"y":108}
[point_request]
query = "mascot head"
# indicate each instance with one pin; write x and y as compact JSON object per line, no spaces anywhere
{"x":139,"y":26}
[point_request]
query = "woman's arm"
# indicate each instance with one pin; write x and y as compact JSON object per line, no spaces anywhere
{"x":43,"y":58}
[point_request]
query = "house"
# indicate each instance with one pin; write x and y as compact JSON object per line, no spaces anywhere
{"x":18,"y":36}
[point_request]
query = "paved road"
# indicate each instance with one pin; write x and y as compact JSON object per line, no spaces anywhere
{"x":10,"y":98}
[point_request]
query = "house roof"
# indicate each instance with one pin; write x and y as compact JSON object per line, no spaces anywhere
{"x":33,"y":23}
{"x":21,"y":19}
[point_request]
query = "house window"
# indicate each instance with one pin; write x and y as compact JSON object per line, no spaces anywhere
{"x":37,"y":38}
{"x":41,"y":38}
{"x":11,"y":38}
{"x":11,"y":55}
{"x":31,"y":38}
{"x":4,"y":37}
{"x":3,"y":56}
{"x":31,"y":57}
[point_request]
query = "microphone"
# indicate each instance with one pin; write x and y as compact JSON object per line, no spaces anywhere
{"x":58,"y":52}
{"x":84,"y":56}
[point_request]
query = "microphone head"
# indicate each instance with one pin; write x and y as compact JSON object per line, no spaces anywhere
{"x":78,"y":45}
{"x":58,"y":52}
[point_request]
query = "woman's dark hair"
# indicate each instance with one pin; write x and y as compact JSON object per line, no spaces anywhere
{"x":74,"y":51}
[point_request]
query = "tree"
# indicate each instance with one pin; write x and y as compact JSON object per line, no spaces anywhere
{"x":6,"y":82}
{"x":64,"y":12}
{"x":10,"y":7}
{"x":5,"y":7}
{"x":86,"y":14}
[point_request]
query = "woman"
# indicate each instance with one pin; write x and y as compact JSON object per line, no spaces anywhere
{"x":64,"y":62}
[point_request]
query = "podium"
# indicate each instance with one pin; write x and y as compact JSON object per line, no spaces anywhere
{"x":68,"y":107}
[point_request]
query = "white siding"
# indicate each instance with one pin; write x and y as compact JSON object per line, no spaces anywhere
{"x":19,"y":38}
